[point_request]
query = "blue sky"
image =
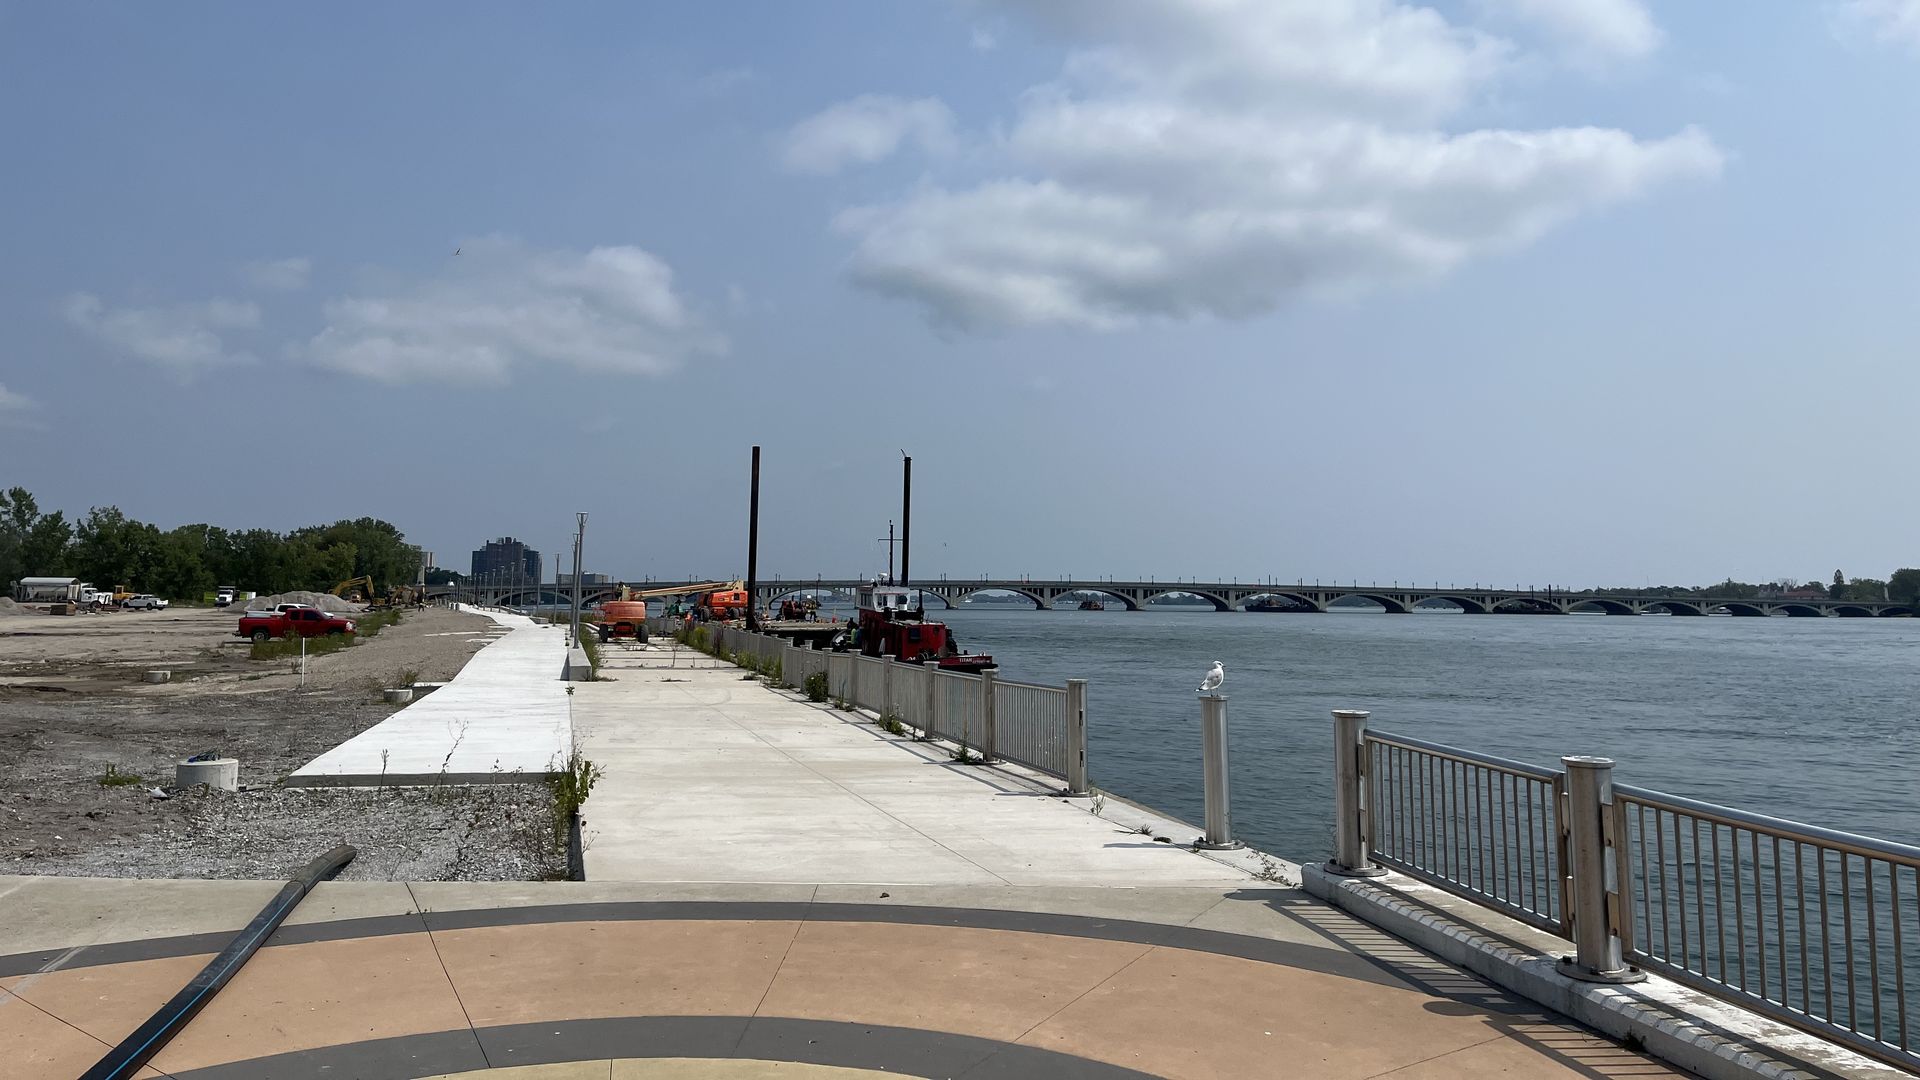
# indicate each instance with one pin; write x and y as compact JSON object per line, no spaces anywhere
{"x":1582,"y":291}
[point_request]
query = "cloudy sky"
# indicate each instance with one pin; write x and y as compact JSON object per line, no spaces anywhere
{"x":1581,"y":291}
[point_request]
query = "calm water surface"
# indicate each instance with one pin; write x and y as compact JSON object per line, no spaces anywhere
{"x":1812,"y":719}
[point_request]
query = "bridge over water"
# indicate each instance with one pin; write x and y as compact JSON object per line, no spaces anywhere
{"x":1231,"y":596}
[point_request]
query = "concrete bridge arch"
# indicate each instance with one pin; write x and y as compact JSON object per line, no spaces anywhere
{"x":1219,"y":602}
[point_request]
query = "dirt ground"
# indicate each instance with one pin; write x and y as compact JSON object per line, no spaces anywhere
{"x":72,"y":707}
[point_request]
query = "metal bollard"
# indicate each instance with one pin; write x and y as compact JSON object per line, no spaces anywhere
{"x":986,"y":696}
{"x":1350,"y":857}
{"x":1589,"y":799}
{"x":886,"y":686}
{"x":1077,"y":737}
{"x":1213,"y":757}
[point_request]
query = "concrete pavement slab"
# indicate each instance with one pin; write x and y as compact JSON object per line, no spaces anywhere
{"x":65,"y":912}
{"x":712,"y":778}
{"x":504,"y":713}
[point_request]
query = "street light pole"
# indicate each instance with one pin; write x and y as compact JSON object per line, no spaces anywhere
{"x":579,"y":546}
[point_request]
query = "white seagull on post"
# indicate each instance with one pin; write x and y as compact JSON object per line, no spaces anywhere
{"x":1215,"y":676}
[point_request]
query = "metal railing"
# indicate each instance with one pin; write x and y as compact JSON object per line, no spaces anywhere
{"x":1483,"y":827}
{"x":1816,"y":928}
{"x":797,"y":664}
{"x":1030,"y":725}
{"x":1042,"y":727}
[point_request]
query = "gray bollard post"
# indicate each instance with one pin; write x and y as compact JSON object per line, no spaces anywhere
{"x":986,"y":697}
{"x":1213,"y":756}
{"x":886,"y":685}
{"x":1596,"y":955}
{"x":1350,"y":857}
{"x":1077,"y":737}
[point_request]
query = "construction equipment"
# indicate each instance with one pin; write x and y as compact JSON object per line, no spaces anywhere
{"x":357,"y":589}
{"x":716,"y":599}
{"x":628,"y":592}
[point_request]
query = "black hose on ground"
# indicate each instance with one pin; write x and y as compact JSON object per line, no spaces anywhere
{"x":125,"y":1059}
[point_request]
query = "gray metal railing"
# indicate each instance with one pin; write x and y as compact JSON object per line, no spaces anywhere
{"x":1817,"y":928}
{"x":1030,"y":725}
{"x":1483,"y":827}
{"x":1043,"y":727}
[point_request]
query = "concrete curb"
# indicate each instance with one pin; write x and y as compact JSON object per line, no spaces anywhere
{"x":1704,"y":1035}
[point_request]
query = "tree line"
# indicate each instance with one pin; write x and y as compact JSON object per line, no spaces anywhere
{"x":1902,"y":587}
{"x":108,"y":548}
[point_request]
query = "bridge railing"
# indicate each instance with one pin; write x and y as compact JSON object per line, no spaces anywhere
{"x":1042,"y":727}
{"x":1817,"y":928}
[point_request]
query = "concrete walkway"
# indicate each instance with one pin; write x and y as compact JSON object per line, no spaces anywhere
{"x":387,"y":981}
{"x":800,"y":895}
{"x":504,"y":713}
{"x":712,"y":778}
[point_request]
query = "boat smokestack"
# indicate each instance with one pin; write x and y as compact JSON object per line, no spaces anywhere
{"x":906,"y":519}
{"x":753,"y":541}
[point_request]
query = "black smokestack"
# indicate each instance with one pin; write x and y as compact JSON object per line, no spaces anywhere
{"x":753,"y":541}
{"x":906,"y":520}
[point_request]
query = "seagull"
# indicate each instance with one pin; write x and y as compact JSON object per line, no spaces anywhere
{"x":1214,"y":678}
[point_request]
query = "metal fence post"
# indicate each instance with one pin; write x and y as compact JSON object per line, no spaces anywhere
{"x":1077,"y":737}
{"x":986,"y":707}
{"x":1350,"y":857}
{"x":1596,"y":955}
{"x":1213,"y":758}
{"x":886,"y":686}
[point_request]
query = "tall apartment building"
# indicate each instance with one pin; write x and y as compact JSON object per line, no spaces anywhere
{"x":507,"y":556}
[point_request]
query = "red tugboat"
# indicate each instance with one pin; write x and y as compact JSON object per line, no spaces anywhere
{"x":887,"y":625}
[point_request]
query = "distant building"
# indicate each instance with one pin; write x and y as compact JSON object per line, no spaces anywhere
{"x":586,"y":579}
{"x":507,"y":557}
{"x":1805,"y":592}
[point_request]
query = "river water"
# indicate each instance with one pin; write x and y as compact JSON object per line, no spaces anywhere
{"x":1817,"y":720}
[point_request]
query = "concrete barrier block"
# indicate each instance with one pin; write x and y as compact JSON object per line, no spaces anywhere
{"x":221,"y":773}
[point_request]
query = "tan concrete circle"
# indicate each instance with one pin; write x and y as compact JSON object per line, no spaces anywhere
{"x":670,"y":1069}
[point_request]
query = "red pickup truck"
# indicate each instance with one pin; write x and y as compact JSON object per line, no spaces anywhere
{"x":306,"y":622}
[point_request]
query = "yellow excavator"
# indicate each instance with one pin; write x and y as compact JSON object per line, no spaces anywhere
{"x":358,"y":590}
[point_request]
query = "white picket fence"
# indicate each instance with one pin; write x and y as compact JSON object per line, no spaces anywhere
{"x":1042,"y":727}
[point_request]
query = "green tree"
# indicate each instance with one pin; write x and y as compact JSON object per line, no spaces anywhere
{"x":1861,"y":588}
{"x":110,"y":548}
{"x":1904,"y":586}
{"x":31,"y":543}
{"x":1839,"y":582}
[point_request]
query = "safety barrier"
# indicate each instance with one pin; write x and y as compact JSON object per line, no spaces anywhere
{"x":1813,"y":927}
{"x":1042,"y":727}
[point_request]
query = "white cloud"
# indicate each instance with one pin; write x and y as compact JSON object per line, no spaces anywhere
{"x":865,"y":130}
{"x":1219,"y":158}
{"x":1889,"y":22}
{"x":185,"y":338}
{"x":1591,"y":29}
{"x":16,"y":409}
{"x":280,"y":275}
{"x":500,"y":305}
{"x":983,"y":39}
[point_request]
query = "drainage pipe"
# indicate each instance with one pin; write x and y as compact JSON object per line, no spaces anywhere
{"x":126,"y":1059}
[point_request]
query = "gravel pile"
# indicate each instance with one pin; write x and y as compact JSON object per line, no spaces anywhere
{"x":9,"y":607}
{"x":323,"y":601}
{"x":495,"y":832}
